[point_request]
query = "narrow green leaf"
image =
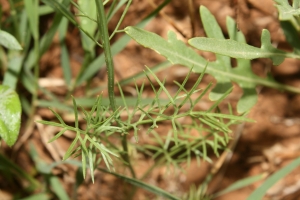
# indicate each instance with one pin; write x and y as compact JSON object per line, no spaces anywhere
{"x":45,"y":10}
{"x":48,"y":37}
{"x":9,"y":41}
{"x":24,"y":34}
{"x":10,"y":115}
{"x":236,"y":49}
{"x":65,"y":63}
{"x":62,"y":9}
{"x":143,"y":185}
{"x":70,"y":149}
{"x":162,"y":86}
{"x":261,"y":191}
{"x":11,"y":76}
{"x":240,"y":184}
{"x":57,"y":135}
{"x":31,"y":7}
{"x":58,"y":117}
{"x":58,"y":188}
{"x":83,"y":161}
{"x":91,"y":164}
{"x":40,"y":196}
{"x":55,"y":104}
{"x":9,"y":167}
{"x":75,"y":111}
{"x":114,"y":9}
{"x":118,"y":46}
{"x":79,"y":177}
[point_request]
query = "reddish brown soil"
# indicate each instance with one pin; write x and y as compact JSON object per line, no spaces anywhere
{"x":264,"y":146}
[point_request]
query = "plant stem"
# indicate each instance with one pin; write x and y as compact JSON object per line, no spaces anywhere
{"x":13,"y":14}
{"x":102,"y":23}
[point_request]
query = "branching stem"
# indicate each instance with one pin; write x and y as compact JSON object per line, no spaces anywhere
{"x":102,"y":24}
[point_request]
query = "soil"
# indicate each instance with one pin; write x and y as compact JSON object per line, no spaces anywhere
{"x":263,"y":147}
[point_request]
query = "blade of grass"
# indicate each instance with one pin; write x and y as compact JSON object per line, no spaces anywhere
{"x":10,"y":167}
{"x":240,"y":184}
{"x":57,"y":188}
{"x":280,"y":174}
{"x":143,"y":185}
{"x":65,"y":63}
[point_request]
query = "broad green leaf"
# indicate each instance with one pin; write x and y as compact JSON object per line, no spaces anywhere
{"x":10,"y":115}
{"x":88,"y":8}
{"x":260,"y":192}
{"x":286,"y":11}
{"x":291,"y":34}
{"x":9,"y":41}
{"x":249,"y":97}
{"x":178,"y":53}
{"x":288,"y":21}
{"x":15,"y":63}
{"x":296,"y":4}
{"x":213,"y":30}
{"x":236,"y":49}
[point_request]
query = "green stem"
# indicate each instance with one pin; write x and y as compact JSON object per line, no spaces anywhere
{"x":102,"y":23}
{"x":121,"y":19}
{"x":14,"y":16}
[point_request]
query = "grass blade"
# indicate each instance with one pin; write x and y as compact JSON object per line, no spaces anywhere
{"x":261,"y":191}
{"x":143,"y":185}
{"x":240,"y":184}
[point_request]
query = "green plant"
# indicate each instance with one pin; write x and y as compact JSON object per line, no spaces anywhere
{"x":10,"y":107}
{"x":104,"y":122}
{"x":103,"y":137}
{"x":177,"y":53}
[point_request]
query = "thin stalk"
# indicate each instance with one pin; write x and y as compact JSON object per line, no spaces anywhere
{"x":121,"y":19}
{"x":102,"y":24}
{"x":36,"y":77}
{"x":13,"y":13}
{"x":111,"y":8}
